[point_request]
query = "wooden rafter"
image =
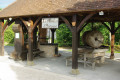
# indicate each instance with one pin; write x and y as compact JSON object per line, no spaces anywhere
{"x":67,"y":22}
{"x":84,"y":20}
{"x":5,"y":25}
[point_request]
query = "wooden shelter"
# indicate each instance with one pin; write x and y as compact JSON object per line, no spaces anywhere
{"x":75,"y":13}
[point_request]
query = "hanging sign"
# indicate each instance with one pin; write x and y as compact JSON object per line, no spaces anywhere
{"x":50,"y":22}
{"x":17,"y":35}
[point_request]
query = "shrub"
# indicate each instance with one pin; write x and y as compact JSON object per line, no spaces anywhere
{"x":64,"y":35}
{"x":9,"y":35}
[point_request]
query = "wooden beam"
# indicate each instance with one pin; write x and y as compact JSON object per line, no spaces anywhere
{"x":35,"y":38}
{"x":74,"y":20}
{"x":83,"y":27}
{"x":85,"y":20}
{"x":1,"y":38}
{"x":112,"y":45}
{"x":30,"y":43}
{"x":117,"y":28}
{"x":78,"y":38}
{"x":26,"y":23}
{"x":53,"y":30}
{"x":66,"y":22}
{"x":8,"y":23}
{"x":3,"y":27}
{"x":106,"y":26}
{"x":74,"y":46}
{"x":112,"y":26}
{"x":36,"y":22}
{"x":75,"y":51}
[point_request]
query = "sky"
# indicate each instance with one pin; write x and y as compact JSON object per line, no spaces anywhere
{"x":5,"y":3}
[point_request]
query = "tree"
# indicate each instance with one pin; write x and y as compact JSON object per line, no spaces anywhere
{"x":64,"y":35}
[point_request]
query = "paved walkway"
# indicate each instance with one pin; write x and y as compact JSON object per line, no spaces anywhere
{"x":13,"y":72}
{"x":55,"y":69}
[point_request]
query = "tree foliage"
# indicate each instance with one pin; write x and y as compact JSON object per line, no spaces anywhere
{"x":9,"y":35}
{"x":64,"y":36}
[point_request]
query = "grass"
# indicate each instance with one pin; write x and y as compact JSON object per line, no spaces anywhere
{"x":114,"y":52}
{"x":117,"y":49}
{"x":8,"y":44}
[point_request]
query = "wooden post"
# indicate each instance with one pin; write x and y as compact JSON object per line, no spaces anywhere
{"x":74,"y":46}
{"x":1,"y":38}
{"x":30,"y":44}
{"x":112,"y":36}
{"x":39,"y":28}
{"x":35,"y":38}
{"x":75,"y":29}
{"x":112,"y":45}
{"x":30,"y":27}
{"x":52,"y":30}
{"x":79,"y":39}
{"x":112,"y":39}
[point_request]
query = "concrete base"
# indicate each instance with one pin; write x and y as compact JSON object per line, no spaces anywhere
{"x":75,"y":71}
{"x":30,"y":63}
{"x":112,"y":57}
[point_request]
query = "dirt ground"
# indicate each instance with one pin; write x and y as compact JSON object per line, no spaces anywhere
{"x":55,"y":68}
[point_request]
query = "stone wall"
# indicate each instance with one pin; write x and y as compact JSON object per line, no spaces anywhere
{"x":49,"y":50}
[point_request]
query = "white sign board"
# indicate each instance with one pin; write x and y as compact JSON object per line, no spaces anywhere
{"x":50,"y":22}
{"x":17,"y":35}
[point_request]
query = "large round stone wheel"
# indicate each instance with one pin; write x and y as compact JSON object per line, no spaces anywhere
{"x":93,"y":38}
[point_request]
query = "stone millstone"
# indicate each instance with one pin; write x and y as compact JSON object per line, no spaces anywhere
{"x":93,"y":38}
